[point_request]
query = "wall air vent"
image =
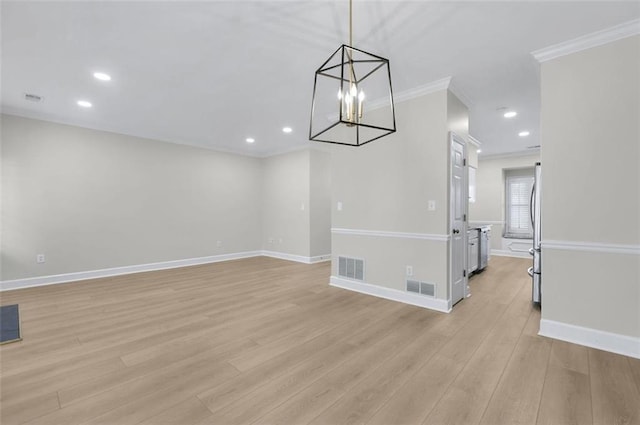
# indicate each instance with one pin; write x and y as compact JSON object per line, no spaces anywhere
{"x":413,"y":286}
{"x":351,"y":268}
{"x":422,"y":288}
{"x":32,"y":97}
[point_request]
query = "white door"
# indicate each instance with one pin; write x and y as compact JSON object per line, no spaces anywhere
{"x":458,"y":217}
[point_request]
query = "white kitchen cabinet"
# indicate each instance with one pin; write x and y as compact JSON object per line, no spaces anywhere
{"x":473,"y":249}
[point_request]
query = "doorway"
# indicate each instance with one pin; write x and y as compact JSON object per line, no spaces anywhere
{"x":458,"y":199}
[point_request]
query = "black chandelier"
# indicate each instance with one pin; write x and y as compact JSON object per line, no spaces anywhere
{"x":342,"y":84}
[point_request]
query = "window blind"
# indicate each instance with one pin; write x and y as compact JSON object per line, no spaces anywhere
{"x":519,"y":184}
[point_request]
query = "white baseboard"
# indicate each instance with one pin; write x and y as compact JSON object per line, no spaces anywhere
{"x":506,"y":253}
{"x":607,"y":341}
{"x":297,"y":258}
{"x":320,"y":259}
{"x":138,"y":268}
{"x":116,"y":271}
{"x":392,"y":294}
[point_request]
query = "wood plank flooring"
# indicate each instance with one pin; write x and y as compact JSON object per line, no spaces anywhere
{"x":266,"y":341}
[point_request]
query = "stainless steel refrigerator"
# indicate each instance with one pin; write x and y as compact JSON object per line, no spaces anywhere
{"x":534,"y":207}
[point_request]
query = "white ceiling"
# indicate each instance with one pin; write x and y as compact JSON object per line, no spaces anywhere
{"x":214,"y":73}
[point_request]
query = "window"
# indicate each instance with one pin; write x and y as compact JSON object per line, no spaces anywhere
{"x":518,"y":186}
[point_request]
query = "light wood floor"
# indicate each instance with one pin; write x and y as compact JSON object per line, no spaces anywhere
{"x":270,"y":342}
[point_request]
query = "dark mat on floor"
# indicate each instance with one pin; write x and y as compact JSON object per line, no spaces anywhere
{"x":10,"y":324}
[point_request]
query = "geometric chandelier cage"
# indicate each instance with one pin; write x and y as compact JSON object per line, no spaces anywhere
{"x":352,"y":100}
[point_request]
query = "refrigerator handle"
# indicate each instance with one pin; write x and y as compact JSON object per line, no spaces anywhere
{"x":531,"y":206}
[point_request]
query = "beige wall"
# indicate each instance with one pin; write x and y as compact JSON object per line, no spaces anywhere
{"x":472,"y":152}
{"x":91,"y":200}
{"x":386,"y":260}
{"x":594,"y":290}
{"x":489,"y":205}
{"x":386,"y":185}
{"x":591,"y":186}
{"x":285,"y":200}
{"x":296,"y":200}
{"x":458,"y":120}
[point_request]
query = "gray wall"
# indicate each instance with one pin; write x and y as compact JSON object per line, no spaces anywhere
{"x":591,"y":187}
{"x":92,"y":200}
{"x":385,"y":186}
{"x":320,"y":203}
{"x":285,"y":200}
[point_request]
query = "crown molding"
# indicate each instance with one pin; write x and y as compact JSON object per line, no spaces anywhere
{"x":20,"y":113}
{"x":422,"y":90}
{"x":432,"y":87}
{"x":308,"y":146}
{"x":460,"y":94}
{"x":412,"y":93}
{"x":588,"y":41}
{"x":528,"y":152}
{"x":475,"y":142}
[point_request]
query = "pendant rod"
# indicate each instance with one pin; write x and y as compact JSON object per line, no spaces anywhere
{"x":352,"y":75}
{"x":351,"y":23}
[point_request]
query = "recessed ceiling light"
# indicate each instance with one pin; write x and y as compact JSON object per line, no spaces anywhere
{"x":479,"y":150}
{"x":250,"y":140}
{"x":287,"y":129}
{"x":102,"y":76}
{"x":510,"y":114}
{"x":84,"y":104}
{"x":523,"y":134}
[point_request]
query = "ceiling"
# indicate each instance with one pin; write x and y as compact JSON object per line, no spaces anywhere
{"x":213,"y":73}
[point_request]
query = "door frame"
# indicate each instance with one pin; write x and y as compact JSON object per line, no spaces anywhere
{"x":465,"y":195}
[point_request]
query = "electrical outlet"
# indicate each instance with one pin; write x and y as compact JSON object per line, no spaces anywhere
{"x":40,"y":258}
{"x":409,"y":270}
{"x":339,"y":206}
{"x":219,"y":244}
{"x":431,"y":206}
{"x":302,"y":206}
{"x":272,"y":240}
